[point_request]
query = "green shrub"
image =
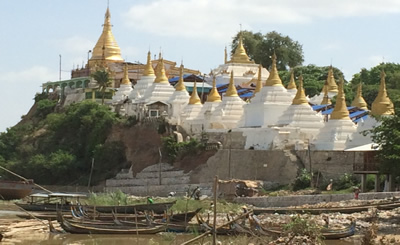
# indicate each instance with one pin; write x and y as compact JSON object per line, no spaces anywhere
{"x":345,"y":181}
{"x":302,"y":181}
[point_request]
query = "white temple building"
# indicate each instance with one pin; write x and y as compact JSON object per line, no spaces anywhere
{"x":191,"y":111}
{"x":124,"y":89}
{"x":145,"y":81}
{"x":178,"y":100}
{"x":330,"y":87}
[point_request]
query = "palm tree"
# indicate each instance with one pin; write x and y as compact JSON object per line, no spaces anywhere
{"x":103,"y":79}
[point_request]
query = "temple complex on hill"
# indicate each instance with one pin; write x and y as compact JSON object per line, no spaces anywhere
{"x":239,"y":96}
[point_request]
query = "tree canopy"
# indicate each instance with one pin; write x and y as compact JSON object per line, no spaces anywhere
{"x":260,"y":48}
{"x":103,"y":79}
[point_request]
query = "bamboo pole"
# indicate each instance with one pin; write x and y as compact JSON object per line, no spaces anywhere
{"x":19,"y":176}
{"x":215,"y":210}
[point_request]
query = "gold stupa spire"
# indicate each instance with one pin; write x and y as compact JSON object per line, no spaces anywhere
{"x":106,"y":48}
{"x":194,"y":98}
{"x":180,"y":86}
{"x":340,"y":111}
{"x":332,"y":86}
{"x":148,"y":68}
{"x":273,"y":79}
{"x":259,"y":84}
{"x":240,"y":55}
{"x":382,"y":105}
{"x":359,"y":100}
{"x":292,"y":84}
{"x":125,"y":79}
{"x":214,"y":96}
{"x":231,"y":91}
{"x":326,"y":100}
{"x":300,"y":97}
{"x":225,"y":56}
{"x":160,"y":74}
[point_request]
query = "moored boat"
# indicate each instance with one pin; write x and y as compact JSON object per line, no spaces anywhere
{"x":10,"y":190}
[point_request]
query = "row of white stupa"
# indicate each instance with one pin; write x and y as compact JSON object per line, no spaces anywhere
{"x":275,"y":117}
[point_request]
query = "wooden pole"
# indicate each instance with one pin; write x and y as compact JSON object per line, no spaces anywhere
{"x":215,"y":210}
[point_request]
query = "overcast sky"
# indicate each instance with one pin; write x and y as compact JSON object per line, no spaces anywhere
{"x":351,"y":34}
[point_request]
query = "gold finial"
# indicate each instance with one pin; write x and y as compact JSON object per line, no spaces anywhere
{"x":148,"y":68}
{"x":332,"y":86}
{"x":292,"y":84}
{"x":225,"y":56}
{"x":160,"y":76}
{"x":126,"y":80}
{"x":359,"y":100}
{"x":214,"y":96}
{"x":273,"y":79}
{"x":194,"y":98}
{"x":259,"y":84}
{"x":231,"y":91}
{"x":240,"y":55}
{"x":382,"y":104}
{"x":180,"y":86}
{"x":300,"y":97}
{"x":340,"y":111}
{"x":326,"y":100}
{"x":106,"y":47}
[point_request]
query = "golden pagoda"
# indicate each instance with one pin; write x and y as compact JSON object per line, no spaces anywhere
{"x":148,"y":68}
{"x":259,"y":84}
{"x":332,"y":86}
{"x":240,"y":56}
{"x":340,"y":111}
{"x":214,"y":96}
{"x":231,"y":91}
{"x":300,"y":97}
{"x":194,"y":98}
{"x":125,"y":79}
{"x":106,"y":49}
{"x":292,"y":84}
{"x":382,"y":104}
{"x":160,"y":73}
{"x":225,"y":56}
{"x":273,"y":79}
{"x":180,"y":86}
{"x":326,"y":100}
{"x":359,"y":100}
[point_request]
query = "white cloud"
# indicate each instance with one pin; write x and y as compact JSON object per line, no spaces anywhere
{"x":219,"y":19}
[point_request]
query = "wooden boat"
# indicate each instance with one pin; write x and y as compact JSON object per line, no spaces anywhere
{"x":10,"y":190}
{"x":77,"y":228}
{"x":351,"y":209}
{"x":157,"y":208}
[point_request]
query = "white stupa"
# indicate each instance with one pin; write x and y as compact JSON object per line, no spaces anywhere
{"x":245,"y":70}
{"x":338,"y":129}
{"x":191,"y":110}
{"x":268,"y":104}
{"x":145,"y":81}
{"x":300,"y":114}
{"x":161,"y":90}
{"x":179,"y":99}
{"x":124,"y":89}
{"x":291,"y":88}
{"x":229,"y":112}
{"x":330,"y":87}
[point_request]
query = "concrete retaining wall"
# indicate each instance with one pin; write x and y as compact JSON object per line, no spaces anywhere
{"x":298,"y":200}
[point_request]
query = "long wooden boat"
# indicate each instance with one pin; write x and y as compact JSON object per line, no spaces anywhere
{"x":351,"y":209}
{"x":76,"y":228}
{"x":10,"y":190}
{"x":157,"y":208}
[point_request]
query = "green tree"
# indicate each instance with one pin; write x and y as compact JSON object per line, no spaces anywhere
{"x":387,"y":136}
{"x":261,"y":48}
{"x":103,"y":79}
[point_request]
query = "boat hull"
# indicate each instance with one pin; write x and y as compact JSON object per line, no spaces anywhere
{"x":10,"y":190}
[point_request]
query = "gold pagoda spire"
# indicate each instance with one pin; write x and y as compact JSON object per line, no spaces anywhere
{"x":359,"y":100}
{"x":300,"y":97}
{"x":382,"y":104}
{"x":231,"y":91}
{"x":340,"y":111}
{"x":160,"y":75}
{"x":106,"y":47}
{"x":240,"y":55}
{"x":273,"y":79}
{"x":326,"y":100}
{"x":148,"y":68}
{"x":214,"y":96}
{"x":332,"y":86}
{"x":180,"y":86}
{"x":194,"y":98}
{"x":225,"y":56}
{"x":259,"y":84}
{"x":126,"y":80}
{"x":292,"y":84}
